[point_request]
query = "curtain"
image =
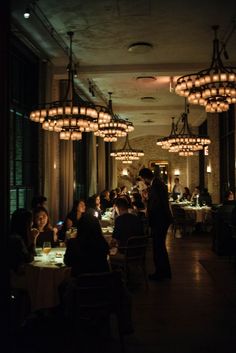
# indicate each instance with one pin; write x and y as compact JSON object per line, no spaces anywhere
{"x":101,"y":165}
{"x":66,"y":177}
{"x":92,"y":165}
{"x":51,"y":179}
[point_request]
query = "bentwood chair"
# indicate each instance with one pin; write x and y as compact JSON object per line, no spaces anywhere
{"x":93,"y":300}
{"x":180,"y":221}
{"x":133,"y":255}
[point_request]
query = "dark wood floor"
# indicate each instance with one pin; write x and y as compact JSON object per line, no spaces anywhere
{"x":194,"y":312}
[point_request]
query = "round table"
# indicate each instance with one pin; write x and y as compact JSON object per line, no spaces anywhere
{"x":43,"y":276}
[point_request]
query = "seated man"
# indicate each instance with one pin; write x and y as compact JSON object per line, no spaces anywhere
{"x":126,"y":224}
{"x":205,"y":198}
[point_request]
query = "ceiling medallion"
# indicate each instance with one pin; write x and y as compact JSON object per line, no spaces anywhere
{"x":146,"y":79}
{"x":140,"y":47}
{"x":148,"y":99}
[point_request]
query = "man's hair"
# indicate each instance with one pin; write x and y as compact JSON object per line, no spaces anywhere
{"x":38,"y":200}
{"x":121,"y":202}
{"x":146,"y":173}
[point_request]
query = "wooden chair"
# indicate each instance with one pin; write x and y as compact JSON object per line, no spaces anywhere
{"x":180,"y":221}
{"x":93,"y":299}
{"x":134,"y":254}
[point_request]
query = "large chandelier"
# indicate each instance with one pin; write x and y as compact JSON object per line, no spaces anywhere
{"x":110,"y":131}
{"x":181,"y":139}
{"x":70,"y":116}
{"x":215,"y":87}
{"x":127,"y":154}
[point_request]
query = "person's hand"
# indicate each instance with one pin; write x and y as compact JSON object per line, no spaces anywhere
{"x":55,"y":237}
{"x":34,"y":232}
{"x":145,"y":194}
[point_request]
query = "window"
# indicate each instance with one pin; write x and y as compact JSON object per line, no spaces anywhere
{"x":23,"y":142}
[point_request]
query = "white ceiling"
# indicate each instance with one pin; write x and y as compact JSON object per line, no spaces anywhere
{"x":179,"y":31}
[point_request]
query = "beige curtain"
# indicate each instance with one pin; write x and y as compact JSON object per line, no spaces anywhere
{"x":66,"y":177}
{"x":101,"y":165}
{"x":112,"y":171}
{"x":51,"y":179}
{"x":92,"y":165}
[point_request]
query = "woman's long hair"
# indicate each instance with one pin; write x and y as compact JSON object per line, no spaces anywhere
{"x":21,"y":221}
{"x":35,"y":212}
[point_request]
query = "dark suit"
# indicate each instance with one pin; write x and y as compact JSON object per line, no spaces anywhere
{"x":160,"y":218}
{"x":127,"y":225}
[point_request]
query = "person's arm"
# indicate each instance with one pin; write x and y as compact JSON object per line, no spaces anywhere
{"x":69,"y":254}
{"x":116,"y":231}
{"x":69,"y":223}
{"x":55,"y":234}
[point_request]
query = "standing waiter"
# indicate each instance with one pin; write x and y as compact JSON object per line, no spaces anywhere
{"x":160,"y":218}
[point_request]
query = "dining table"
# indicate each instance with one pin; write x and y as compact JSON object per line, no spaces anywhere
{"x":43,"y":276}
{"x":107,"y":218}
{"x":200,"y":214}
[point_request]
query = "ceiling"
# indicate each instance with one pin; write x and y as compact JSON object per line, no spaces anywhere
{"x":179,"y":32}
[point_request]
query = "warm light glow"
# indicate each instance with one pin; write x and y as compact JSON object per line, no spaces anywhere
{"x":209,"y":169}
{"x":68,"y":117}
{"x":127,"y":154}
{"x":125,"y":171}
{"x":176,"y":172}
{"x":214,"y":87}
{"x":181,"y":139}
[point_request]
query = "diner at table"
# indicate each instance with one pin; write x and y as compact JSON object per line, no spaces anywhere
{"x":199,"y":215}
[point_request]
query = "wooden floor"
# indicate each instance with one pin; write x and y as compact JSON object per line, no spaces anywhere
{"x":194,"y":312}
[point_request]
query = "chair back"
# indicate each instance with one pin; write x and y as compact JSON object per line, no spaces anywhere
{"x":179,"y":214}
{"x":136,"y":248}
{"x":93,"y":298}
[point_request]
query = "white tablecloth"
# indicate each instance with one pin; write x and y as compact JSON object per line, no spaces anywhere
{"x":43,"y":279}
{"x":199,"y":214}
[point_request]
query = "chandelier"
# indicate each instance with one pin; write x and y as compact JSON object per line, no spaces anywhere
{"x":181,"y":139}
{"x":215,"y":87}
{"x":110,"y":131}
{"x":127,"y":154}
{"x":70,"y":116}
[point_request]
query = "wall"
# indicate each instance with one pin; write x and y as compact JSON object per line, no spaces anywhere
{"x":187,"y":165}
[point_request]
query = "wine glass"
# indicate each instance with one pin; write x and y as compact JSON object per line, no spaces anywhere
{"x":47,"y":248}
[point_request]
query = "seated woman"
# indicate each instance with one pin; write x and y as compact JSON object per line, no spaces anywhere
{"x":94,"y":206}
{"x":21,"y":243}
{"x":229,"y":198}
{"x":87,"y":253}
{"x":21,"y":246}
{"x":46,"y":232}
{"x":72,"y":217}
{"x":186,"y":194}
{"x":205,"y":198}
{"x":195,"y":195}
{"x":105,"y":200}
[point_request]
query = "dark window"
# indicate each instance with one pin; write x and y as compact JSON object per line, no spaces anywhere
{"x":23,"y":142}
